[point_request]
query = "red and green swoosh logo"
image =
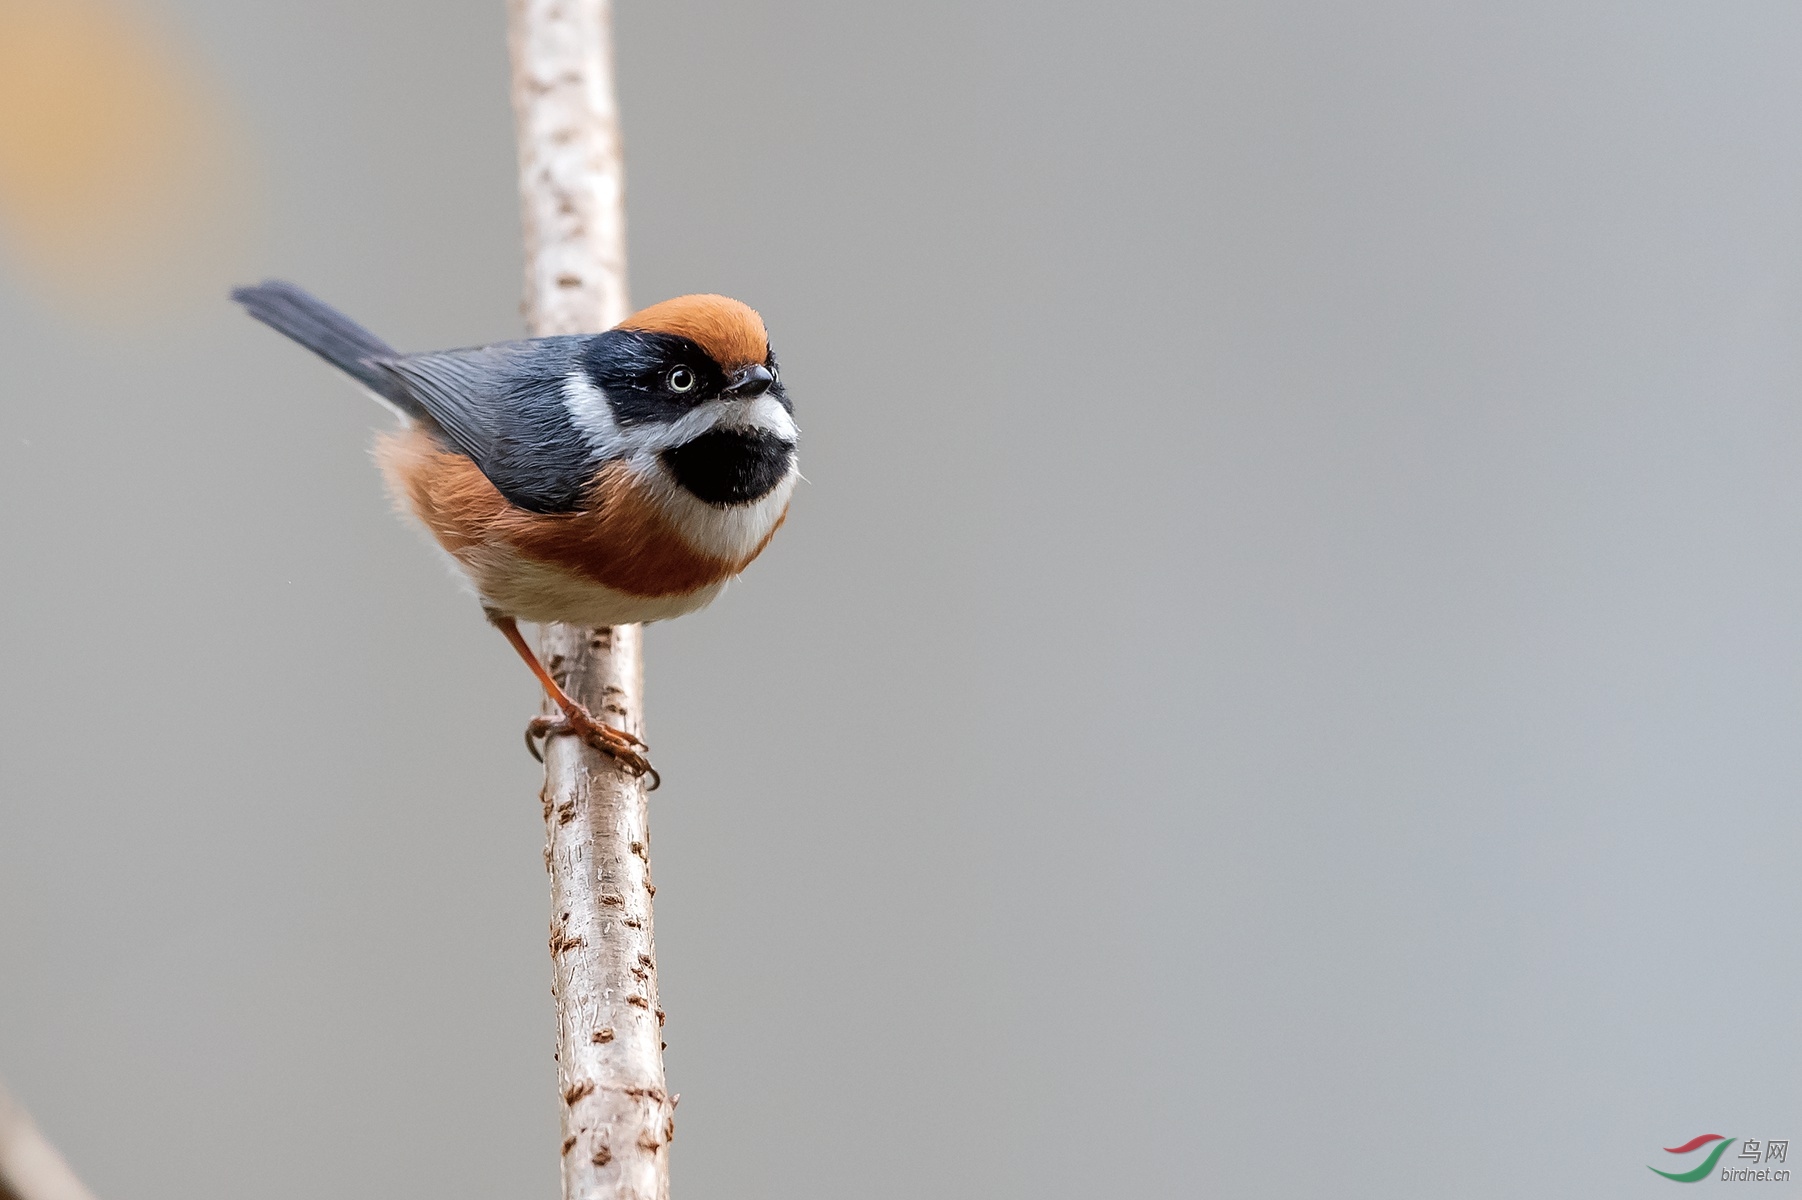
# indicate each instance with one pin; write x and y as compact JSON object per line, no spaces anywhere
{"x":1696,"y":1143}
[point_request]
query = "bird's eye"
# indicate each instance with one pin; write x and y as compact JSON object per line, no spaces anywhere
{"x":681,"y":379}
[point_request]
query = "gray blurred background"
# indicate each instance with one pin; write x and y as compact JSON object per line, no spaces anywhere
{"x":1284,"y":680}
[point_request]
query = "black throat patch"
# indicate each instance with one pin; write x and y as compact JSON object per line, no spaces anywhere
{"x":730,"y":466}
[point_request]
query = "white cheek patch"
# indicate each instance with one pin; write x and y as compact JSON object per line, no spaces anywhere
{"x":592,"y":416}
{"x":594,"y":420}
{"x":685,"y":428}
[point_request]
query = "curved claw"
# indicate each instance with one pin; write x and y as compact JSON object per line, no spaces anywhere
{"x":614,"y":743}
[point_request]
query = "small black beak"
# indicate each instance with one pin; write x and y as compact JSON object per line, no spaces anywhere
{"x":750,"y":383}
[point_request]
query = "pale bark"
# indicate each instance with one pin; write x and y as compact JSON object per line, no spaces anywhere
{"x":30,"y":1167}
{"x":571,"y":170}
{"x":617,"y":1117}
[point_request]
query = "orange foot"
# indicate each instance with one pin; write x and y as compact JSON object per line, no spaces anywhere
{"x":614,"y":743}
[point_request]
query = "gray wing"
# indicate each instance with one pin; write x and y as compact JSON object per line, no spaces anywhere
{"x":502,"y":405}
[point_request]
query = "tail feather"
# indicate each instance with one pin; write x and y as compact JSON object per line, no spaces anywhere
{"x":329,"y":334}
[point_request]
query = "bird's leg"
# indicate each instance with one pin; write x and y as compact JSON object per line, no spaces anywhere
{"x":615,"y":743}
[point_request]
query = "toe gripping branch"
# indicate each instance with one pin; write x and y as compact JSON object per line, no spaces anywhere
{"x":576,"y":721}
{"x":616,"y":744}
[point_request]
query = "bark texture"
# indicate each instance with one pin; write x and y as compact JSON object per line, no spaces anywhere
{"x":617,"y":1117}
{"x":571,"y":169}
{"x":30,"y":1167}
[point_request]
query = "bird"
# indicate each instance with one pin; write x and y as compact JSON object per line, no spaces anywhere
{"x":592,"y":479}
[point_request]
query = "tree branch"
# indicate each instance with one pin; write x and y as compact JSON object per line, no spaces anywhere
{"x":617,"y":1117}
{"x":30,"y":1167}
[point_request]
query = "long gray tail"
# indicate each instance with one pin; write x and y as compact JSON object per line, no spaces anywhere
{"x":329,"y":334}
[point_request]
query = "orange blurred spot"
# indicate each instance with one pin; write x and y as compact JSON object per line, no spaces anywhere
{"x":121,"y":177}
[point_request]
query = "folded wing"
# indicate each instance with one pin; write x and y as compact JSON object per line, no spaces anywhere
{"x":503,"y":406}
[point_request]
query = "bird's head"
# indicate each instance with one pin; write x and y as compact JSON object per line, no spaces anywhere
{"x":692,"y":383}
